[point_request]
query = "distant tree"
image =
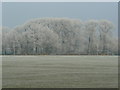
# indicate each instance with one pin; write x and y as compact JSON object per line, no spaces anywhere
{"x":59,"y":36}
{"x":0,"y":40}
{"x":91,"y":28}
{"x":5,"y":41}
{"x":105,"y":27}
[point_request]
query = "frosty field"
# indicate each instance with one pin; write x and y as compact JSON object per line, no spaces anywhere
{"x":60,"y":71}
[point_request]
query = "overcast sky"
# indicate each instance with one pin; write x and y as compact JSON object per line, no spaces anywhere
{"x":0,"y":14}
{"x":17,"y":13}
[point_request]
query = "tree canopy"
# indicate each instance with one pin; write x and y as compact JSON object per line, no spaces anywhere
{"x":60,"y":36}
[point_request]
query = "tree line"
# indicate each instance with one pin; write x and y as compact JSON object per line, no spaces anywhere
{"x":60,"y":36}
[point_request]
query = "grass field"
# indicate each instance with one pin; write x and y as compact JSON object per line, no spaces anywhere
{"x":60,"y":72}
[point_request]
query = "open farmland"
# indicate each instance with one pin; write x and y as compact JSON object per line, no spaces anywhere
{"x":60,"y":71}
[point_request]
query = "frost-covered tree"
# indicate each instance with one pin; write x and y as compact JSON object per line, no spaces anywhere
{"x":105,"y":27}
{"x":5,"y":41}
{"x":91,"y":29}
{"x":0,"y":40}
{"x":38,"y":39}
{"x":59,"y":36}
